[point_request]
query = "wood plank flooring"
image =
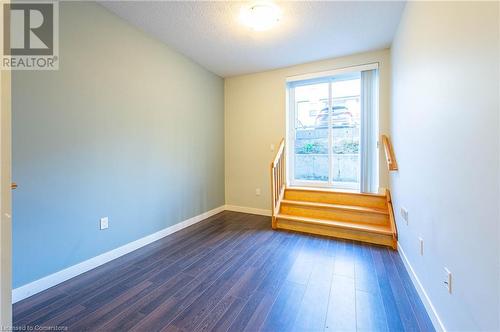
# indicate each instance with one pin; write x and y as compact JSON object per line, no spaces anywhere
{"x":231,"y":272}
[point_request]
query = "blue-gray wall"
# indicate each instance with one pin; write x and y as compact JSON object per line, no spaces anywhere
{"x":127,"y":128}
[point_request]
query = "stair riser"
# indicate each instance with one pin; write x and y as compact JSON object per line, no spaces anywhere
{"x":334,"y":214}
{"x":379,"y":202}
{"x":337,"y":232}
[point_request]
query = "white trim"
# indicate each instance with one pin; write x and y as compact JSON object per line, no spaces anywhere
{"x":333,"y":72}
{"x":44,"y":283}
{"x":290,"y":135}
{"x":244,"y":209}
{"x":436,"y":321}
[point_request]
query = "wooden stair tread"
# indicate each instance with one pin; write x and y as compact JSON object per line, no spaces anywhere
{"x":335,"y":191}
{"x":354,"y":208}
{"x":378,"y":229}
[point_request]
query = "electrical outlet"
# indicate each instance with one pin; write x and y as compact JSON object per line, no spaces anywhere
{"x":404,"y":214}
{"x":104,"y":223}
{"x":421,"y":242}
{"x":447,"y":280}
{"x":257,"y":191}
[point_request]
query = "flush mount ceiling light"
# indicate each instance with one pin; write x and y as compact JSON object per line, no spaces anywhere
{"x":260,"y":16}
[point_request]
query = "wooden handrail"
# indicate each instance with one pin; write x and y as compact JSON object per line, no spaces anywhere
{"x":278,"y":180}
{"x":280,"y":152}
{"x":389,"y":154}
{"x":392,"y":220}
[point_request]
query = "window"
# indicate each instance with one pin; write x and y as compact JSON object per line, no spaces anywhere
{"x":328,"y":121}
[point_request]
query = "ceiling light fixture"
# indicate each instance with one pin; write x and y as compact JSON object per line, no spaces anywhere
{"x":260,"y":16}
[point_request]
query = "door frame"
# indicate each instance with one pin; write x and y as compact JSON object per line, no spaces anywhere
{"x":5,"y":200}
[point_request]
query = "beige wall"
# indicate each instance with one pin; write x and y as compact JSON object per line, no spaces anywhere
{"x":445,"y":130}
{"x":255,"y":118}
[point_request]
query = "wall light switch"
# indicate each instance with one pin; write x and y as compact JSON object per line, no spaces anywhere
{"x":447,"y":280}
{"x":404,"y":214}
{"x":104,"y":224}
{"x":257,"y":192}
{"x":272,"y":147}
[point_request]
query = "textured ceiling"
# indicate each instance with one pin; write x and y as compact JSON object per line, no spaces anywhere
{"x":210,"y":34}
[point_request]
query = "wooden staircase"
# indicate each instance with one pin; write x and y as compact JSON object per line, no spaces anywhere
{"x":355,"y":216}
{"x":348,"y":215}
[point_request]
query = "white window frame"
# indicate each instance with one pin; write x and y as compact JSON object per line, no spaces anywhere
{"x":328,"y":76}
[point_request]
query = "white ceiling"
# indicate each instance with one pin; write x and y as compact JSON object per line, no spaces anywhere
{"x":210,"y":33}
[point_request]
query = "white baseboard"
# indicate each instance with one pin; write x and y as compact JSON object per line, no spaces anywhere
{"x":250,"y":210}
{"x":436,"y":321}
{"x":44,"y":283}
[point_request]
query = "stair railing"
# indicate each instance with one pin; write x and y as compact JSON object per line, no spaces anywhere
{"x":392,"y":220}
{"x":389,"y":154}
{"x":278,"y":180}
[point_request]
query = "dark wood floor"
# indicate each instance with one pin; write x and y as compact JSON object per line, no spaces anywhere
{"x":232,"y":272}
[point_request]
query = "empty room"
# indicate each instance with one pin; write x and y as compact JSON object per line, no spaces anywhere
{"x":250,"y":166}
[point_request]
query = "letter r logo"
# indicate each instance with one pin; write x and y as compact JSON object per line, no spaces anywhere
{"x":28,"y":29}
